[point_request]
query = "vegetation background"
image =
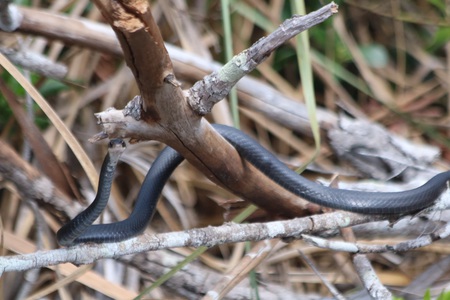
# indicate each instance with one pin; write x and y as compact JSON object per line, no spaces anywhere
{"x":387,"y":61}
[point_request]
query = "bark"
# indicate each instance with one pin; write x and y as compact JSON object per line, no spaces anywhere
{"x":208,"y":236}
{"x":167,"y":115}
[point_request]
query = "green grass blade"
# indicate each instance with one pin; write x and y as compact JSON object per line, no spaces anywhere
{"x":304,"y":61}
{"x":194,"y":255}
{"x":228,"y":42}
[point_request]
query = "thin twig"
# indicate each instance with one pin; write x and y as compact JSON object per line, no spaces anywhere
{"x":329,"y":286}
{"x":35,"y":62}
{"x":360,"y":248}
{"x":370,"y":279}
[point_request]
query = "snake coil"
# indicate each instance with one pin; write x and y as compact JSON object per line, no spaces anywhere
{"x":392,"y":203}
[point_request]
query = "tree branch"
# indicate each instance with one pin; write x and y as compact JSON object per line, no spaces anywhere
{"x":360,"y":248}
{"x":216,"y":162}
{"x":143,"y":47}
{"x":33,"y":185}
{"x":209,"y":236}
{"x":213,"y":88}
{"x":168,"y":117}
{"x":253,"y":94}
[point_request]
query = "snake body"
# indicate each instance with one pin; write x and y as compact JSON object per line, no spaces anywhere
{"x":391,"y":203}
{"x":67,"y":234}
{"x":144,"y":207}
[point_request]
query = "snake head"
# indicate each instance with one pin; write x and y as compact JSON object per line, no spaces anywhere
{"x":117,"y":143}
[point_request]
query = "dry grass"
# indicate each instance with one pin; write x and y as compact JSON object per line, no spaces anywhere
{"x":386,"y":61}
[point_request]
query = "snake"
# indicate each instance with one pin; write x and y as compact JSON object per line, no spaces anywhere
{"x":380,"y":203}
{"x":69,"y":232}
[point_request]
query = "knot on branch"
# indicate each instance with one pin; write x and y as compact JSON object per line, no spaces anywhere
{"x":134,"y":108}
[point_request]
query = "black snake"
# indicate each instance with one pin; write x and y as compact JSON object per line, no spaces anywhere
{"x":80,"y":230}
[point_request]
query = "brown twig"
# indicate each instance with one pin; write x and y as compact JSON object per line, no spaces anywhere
{"x":47,"y":159}
{"x":248,"y":263}
{"x":336,"y":294}
{"x":33,"y":185}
